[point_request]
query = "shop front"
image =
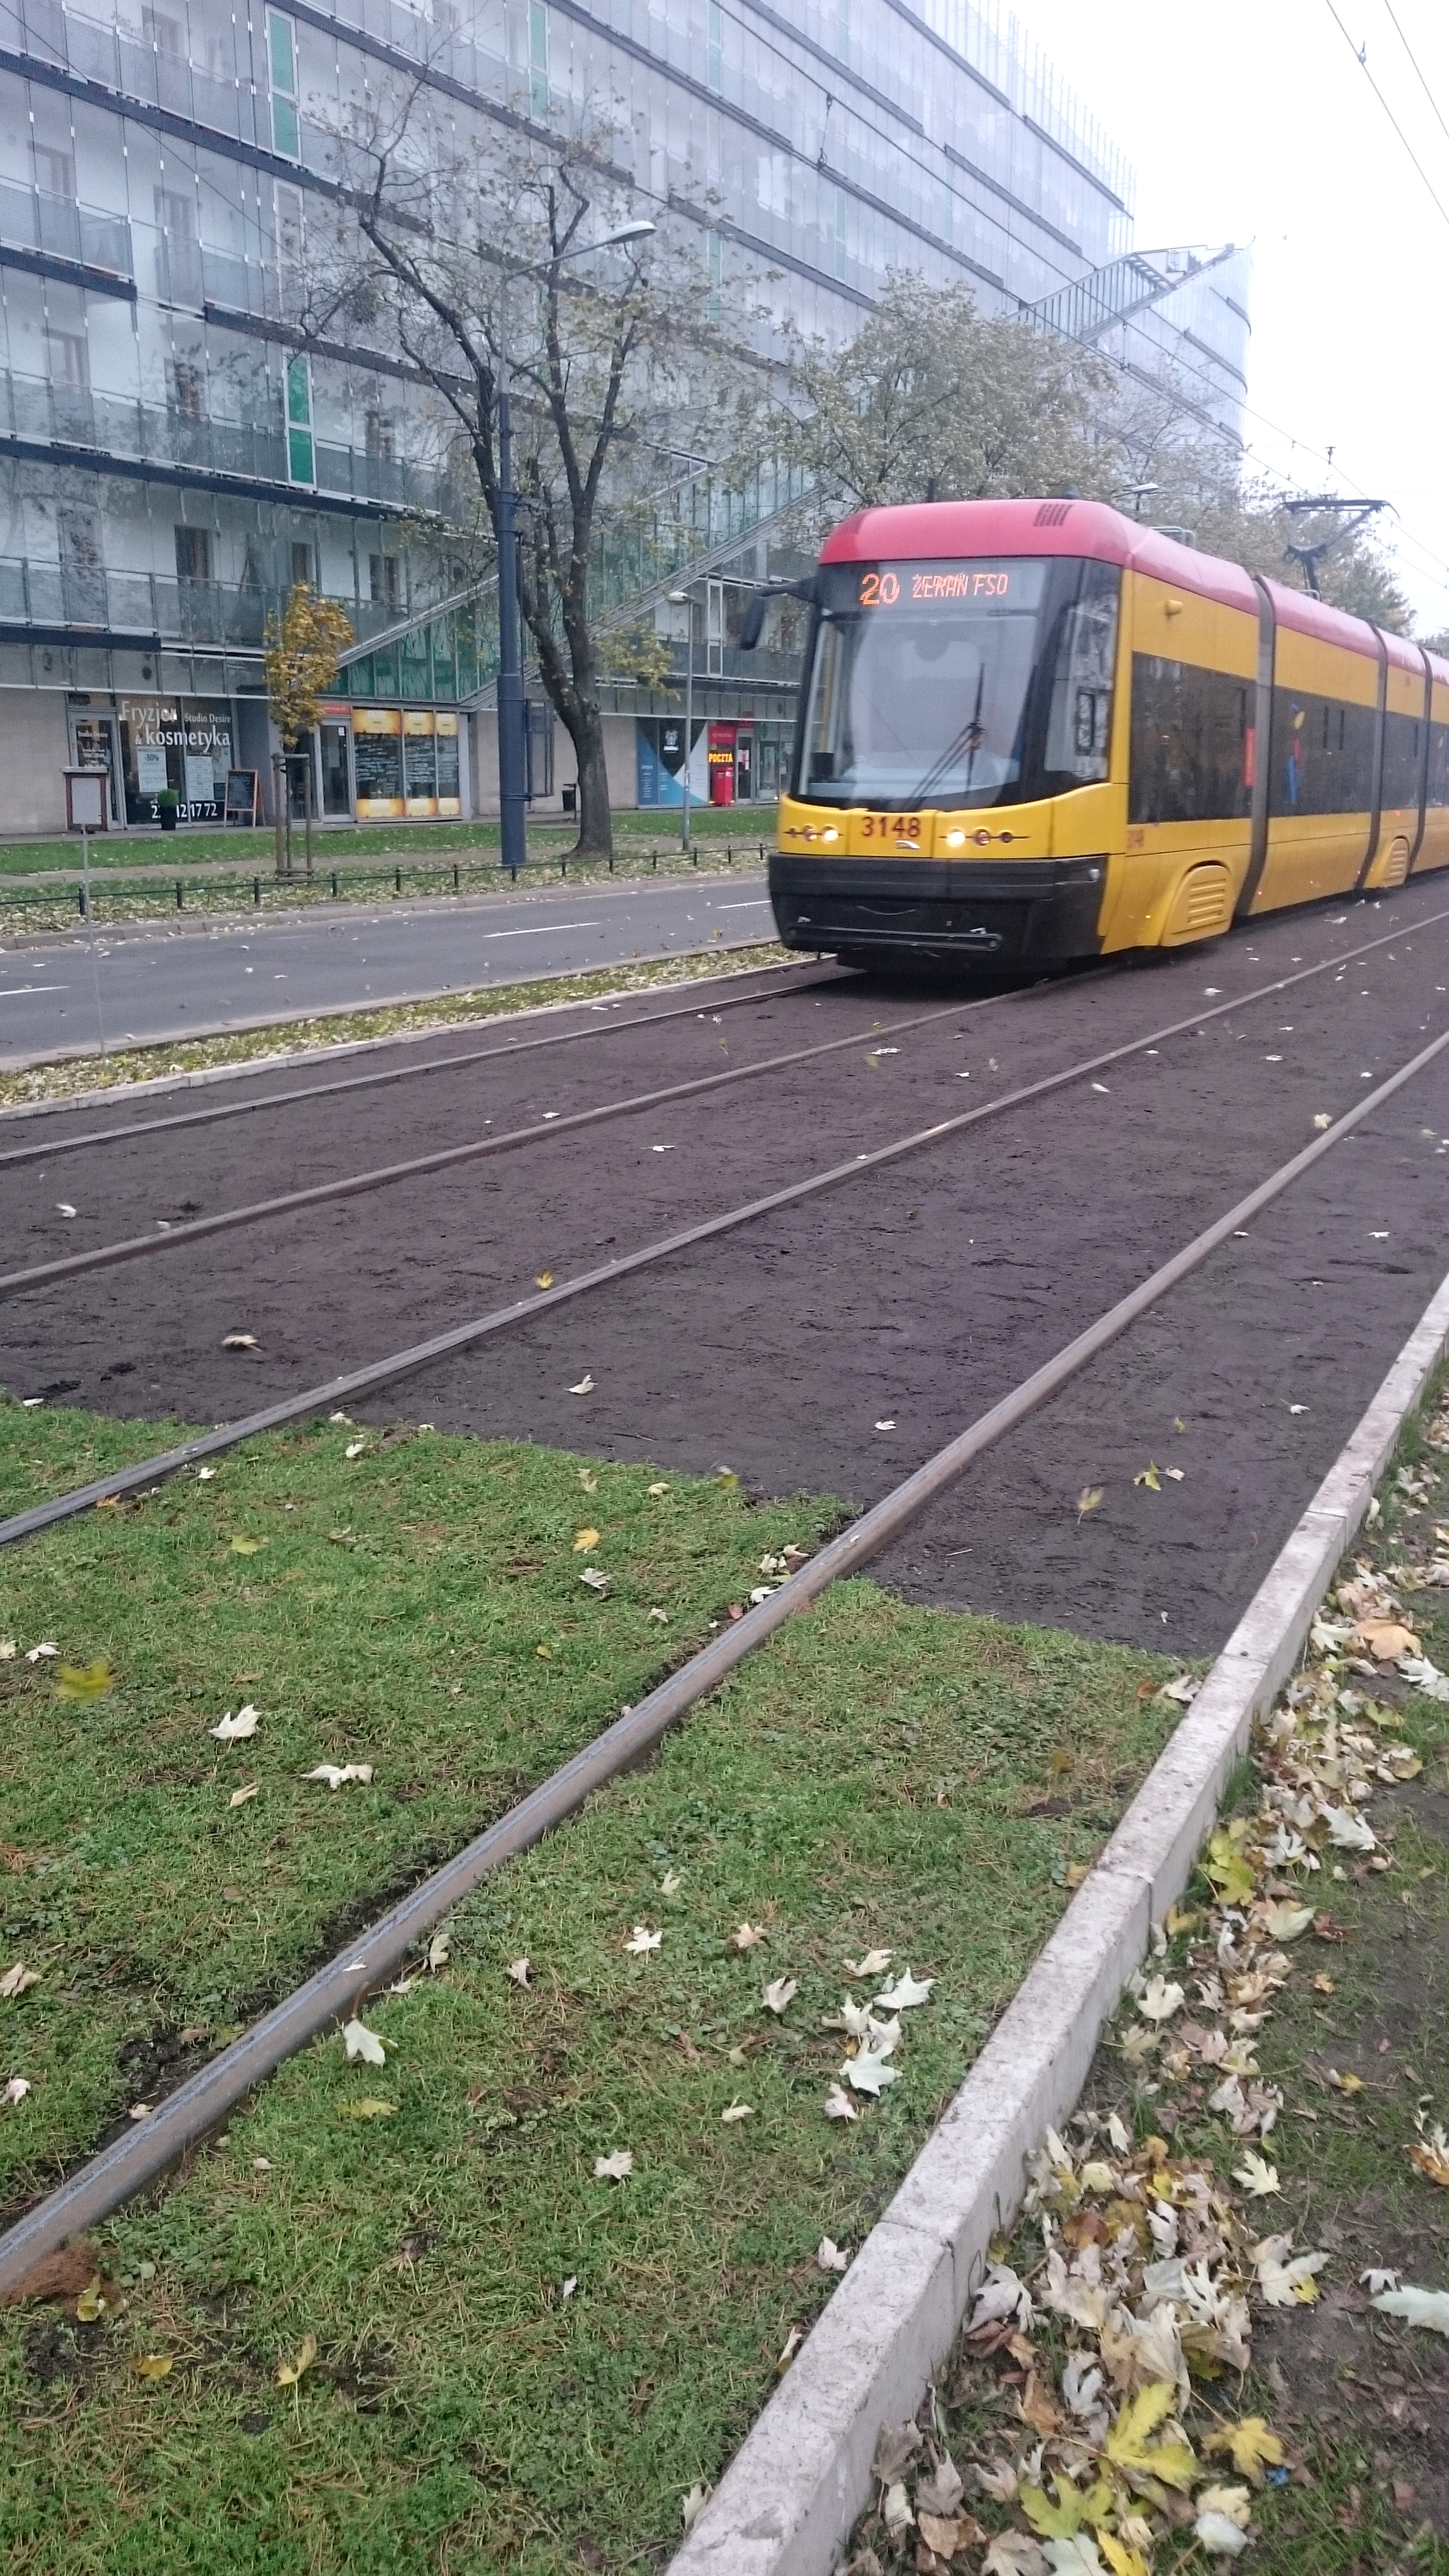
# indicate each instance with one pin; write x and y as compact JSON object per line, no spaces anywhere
{"x":405,"y":762}
{"x":730,"y":762}
{"x":155,"y":747}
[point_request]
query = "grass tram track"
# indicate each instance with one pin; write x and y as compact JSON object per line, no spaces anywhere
{"x":368,"y":1960}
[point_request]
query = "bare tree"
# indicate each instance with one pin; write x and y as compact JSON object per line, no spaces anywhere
{"x":481,"y":258}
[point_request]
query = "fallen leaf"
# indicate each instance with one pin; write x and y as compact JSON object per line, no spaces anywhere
{"x":240,"y":1797}
{"x":585,"y":1386}
{"x":1430,"y":2157}
{"x":354,"y":1448}
{"x":235,"y":1730}
{"x":337,"y":1774}
{"x":1121,"y":2557}
{"x":1220,"y":2536}
{"x":655,"y":1491}
{"x":1417,"y":2307}
{"x":839,"y":2106}
{"x":906,"y":1993}
{"x":1014,"y":2553}
{"x":745,"y":1935}
{"x":737,"y":2111}
{"x":642,"y":1940}
{"x":1285,"y":2282}
{"x":517,"y":1969}
{"x":867,"y":2071}
{"x":585,"y":1539}
{"x":544,"y":1279}
{"x":829,"y":2257}
{"x":85,"y":1681}
{"x":364,"y":2043}
{"x":239,"y":1341}
{"x":671,"y":1883}
{"x":152,"y":2365}
{"x":1385,"y":1639}
{"x":1251,"y":2445}
{"x":692,"y":2505}
{"x":1287,"y":1922}
{"x":1322,"y":1120}
{"x":1375,"y":2281}
{"x":17,"y":1979}
{"x":16,"y":2089}
{"x":1129,"y":2445}
{"x":37,"y":1654}
{"x":595,"y":1577}
{"x":290,"y":2372}
{"x":777,"y":1996}
{"x":367,"y":2107}
{"x":614,"y":2168}
{"x":1149,"y":1477}
{"x":1184,"y":1689}
{"x":1345,"y":2083}
{"x":1159,"y":1999}
{"x":887,"y":1425}
{"x":1176,"y":1473}
{"x":874,"y":1964}
{"x":1257,"y":2176}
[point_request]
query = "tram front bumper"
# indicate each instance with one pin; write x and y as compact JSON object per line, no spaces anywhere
{"x":1001,"y":912}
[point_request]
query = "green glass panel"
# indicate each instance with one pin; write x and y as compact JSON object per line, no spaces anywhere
{"x":286,"y":130}
{"x":384,"y":674}
{"x":281,"y":53}
{"x":299,"y":393}
{"x":300,"y":462}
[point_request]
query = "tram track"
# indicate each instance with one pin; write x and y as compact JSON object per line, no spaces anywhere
{"x":386,"y":1076}
{"x":176,"y":1236}
{"x":373,"y":1377}
{"x":180,"y":2119}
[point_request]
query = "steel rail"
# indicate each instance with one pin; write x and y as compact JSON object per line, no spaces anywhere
{"x":139,"y":1247}
{"x":399,"y":1364}
{"x":144,"y":2152}
{"x":403,"y":1072}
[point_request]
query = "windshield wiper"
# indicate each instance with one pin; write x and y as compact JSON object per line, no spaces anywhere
{"x":969,"y":739}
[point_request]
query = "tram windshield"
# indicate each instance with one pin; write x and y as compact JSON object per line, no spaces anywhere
{"x":958,"y":684}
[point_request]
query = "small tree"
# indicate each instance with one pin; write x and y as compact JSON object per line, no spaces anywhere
{"x":303,"y":648}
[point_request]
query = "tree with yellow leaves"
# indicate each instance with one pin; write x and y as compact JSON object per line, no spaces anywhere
{"x":303,"y":648}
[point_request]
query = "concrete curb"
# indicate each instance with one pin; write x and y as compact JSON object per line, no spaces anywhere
{"x":103,"y":1095}
{"x":792,"y":2491}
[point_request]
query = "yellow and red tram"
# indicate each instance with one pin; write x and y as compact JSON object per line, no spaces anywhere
{"x":1033,"y":731}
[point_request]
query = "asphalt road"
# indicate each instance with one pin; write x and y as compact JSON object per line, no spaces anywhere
{"x":152,"y":985}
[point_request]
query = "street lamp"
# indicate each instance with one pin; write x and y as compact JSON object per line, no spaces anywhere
{"x":684,"y":599}
{"x":512,"y":748}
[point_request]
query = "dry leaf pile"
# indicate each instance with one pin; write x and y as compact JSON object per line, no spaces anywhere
{"x":1114,"y":2351}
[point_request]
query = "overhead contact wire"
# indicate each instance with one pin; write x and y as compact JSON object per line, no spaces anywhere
{"x":145,"y":2151}
{"x":138,"y":1247}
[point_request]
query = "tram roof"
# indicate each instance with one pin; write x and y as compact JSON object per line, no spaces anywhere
{"x":937,"y":530}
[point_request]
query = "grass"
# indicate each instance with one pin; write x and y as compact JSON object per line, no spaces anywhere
{"x":372,"y":843}
{"x":74,"y":1076}
{"x":518,"y":2365}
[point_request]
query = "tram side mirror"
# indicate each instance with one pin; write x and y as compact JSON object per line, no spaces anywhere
{"x":753,"y":621}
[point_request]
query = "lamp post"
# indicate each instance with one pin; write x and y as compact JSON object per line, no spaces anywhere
{"x":685,"y":599}
{"x":512,"y":747}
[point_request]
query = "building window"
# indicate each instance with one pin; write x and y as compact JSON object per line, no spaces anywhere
{"x":163,"y":34}
{"x":193,"y":554}
{"x":382,"y":573}
{"x":55,"y":173}
{"x":282,"y":75}
{"x":178,"y":252}
{"x":301,"y":456}
{"x":302,"y":566}
{"x":714,"y":48}
{"x":69,"y":360}
{"x":714,"y":248}
{"x":538,"y":57}
{"x":380,"y":435}
{"x":188,"y":389}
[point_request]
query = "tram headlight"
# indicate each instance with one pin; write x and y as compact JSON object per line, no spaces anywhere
{"x":955,"y":840}
{"x":830,"y":836}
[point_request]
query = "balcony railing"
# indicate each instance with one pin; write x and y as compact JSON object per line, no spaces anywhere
{"x":67,"y":416}
{"x":34,"y":220}
{"x":150,"y":607}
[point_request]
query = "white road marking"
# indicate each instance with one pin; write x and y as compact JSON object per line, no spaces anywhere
{"x":758,"y":903}
{"x":542,"y":928}
{"x":11,"y":992}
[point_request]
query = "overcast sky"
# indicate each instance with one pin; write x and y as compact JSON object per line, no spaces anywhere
{"x":1251,"y":121}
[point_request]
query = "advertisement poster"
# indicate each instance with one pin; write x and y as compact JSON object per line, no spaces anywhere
{"x":180,"y":745}
{"x":377,"y":758}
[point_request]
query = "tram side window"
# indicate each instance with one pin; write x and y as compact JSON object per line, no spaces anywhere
{"x":1439,"y":764}
{"x":1323,"y":756}
{"x":1402,"y":742}
{"x":1191,"y":743}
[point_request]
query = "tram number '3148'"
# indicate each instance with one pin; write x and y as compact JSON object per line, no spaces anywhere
{"x":890,"y":827}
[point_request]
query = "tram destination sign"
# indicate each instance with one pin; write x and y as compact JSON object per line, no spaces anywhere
{"x":931,"y":585}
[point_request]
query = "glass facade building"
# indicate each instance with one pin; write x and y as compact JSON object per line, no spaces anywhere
{"x":175,"y":453}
